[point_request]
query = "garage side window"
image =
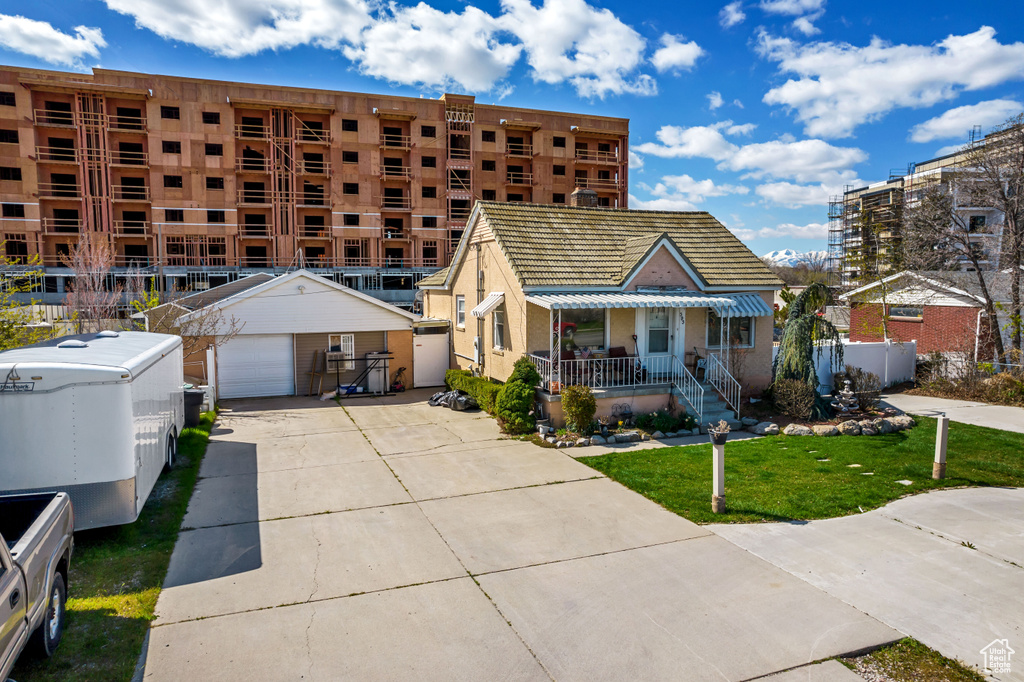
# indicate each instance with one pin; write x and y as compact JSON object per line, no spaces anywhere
{"x":342,"y":352}
{"x":460,"y":311}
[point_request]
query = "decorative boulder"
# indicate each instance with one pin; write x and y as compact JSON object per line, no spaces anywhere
{"x":867,"y":428}
{"x":670,"y":434}
{"x":582,"y":442}
{"x":657,"y":435}
{"x":645,"y":437}
{"x":597,"y":440}
{"x":884,"y":426}
{"x":628,"y":437}
{"x":825,"y":430}
{"x":748,"y":421}
{"x":849,"y":428}
{"x":564,"y":444}
{"x":903,"y":422}
{"x":765,"y":429}
{"x":612,"y":439}
{"x":550,"y":439}
{"x":797,"y":430}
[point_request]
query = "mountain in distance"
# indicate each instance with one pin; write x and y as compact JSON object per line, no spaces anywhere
{"x":791,"y":259}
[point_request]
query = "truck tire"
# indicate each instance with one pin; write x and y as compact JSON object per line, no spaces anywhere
{"x":47,"y":636}
{"x":172,"y":452}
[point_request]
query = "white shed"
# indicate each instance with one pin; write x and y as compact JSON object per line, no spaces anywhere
{"x":288,"y":321}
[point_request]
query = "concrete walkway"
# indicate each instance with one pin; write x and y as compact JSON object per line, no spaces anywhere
{"x":965,"y":411}
{"x":946,"y":567}
{"x":392,"y":540}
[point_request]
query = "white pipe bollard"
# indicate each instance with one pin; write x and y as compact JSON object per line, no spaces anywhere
{"x":718,"y":480}
{"x":941,"y":439}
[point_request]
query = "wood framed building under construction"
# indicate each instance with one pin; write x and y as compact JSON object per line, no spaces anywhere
{"x":199,"y":182}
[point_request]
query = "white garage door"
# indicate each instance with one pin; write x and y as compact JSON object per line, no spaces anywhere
{"x":251,"y":365}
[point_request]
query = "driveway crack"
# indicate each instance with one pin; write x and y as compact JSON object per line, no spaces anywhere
{"x":316,"y":567}
{"x":309,"y":647}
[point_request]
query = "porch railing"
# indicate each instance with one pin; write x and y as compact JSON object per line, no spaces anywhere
{"x":693,"y":392}
{"x":718,"y":376}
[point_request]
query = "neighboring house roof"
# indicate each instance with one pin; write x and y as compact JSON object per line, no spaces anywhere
{"x":839,"y":316}
{"x":434,"y":279}
{"x":248,"y":293}
{"x":564,"y":246}
{"x":955,"y":282}
{"x":201,"y":299}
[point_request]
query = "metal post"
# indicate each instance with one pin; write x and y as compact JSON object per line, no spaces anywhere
{"x":941,"y":438}
{"x":718,"y":479}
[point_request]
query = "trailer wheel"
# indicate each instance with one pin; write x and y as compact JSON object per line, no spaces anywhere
{"x":172,"y":452}
{"x":47,"y":636}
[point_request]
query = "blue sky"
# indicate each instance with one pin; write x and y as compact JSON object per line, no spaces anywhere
{"x":756,"y":111}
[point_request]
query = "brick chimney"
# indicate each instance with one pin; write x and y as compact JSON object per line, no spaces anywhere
{"x":583,"y":197}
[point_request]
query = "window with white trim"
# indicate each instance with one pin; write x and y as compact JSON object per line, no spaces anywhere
{"x":739,"y":331}
{"x":460,"y":311}
{"x":344,"y":344}
{"x":499,"y":329}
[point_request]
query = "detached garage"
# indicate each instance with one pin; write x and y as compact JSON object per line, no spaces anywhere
{"x":290,"y":321}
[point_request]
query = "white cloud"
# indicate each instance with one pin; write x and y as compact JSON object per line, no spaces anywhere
{"x":694,"y":190}
{"x":415,"y":46}
{"x":236,"y":28}
{"x":741,"y":129}
{"x":839,"y":86}
{"x":679,"y":142}
{"x":791,"y":231}
{"x":948,"y":149}
{"x":793,"y":195}
{"x":636,"y":162}
{"x":675,"y":54}
{"x":731,"y":14}
{"x":562,"y":40}
{"x":806,"y":24}
{"x":714,"y":100}
{"x":41,"y":40}
{"x":569,"y":40}
{"x":959,"y":121}
{"x":661,"y":204}
{"x":792,"y":7}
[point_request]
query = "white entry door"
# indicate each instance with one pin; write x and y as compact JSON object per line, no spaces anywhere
{"x":252,"y":365}
{"x":429,"y":359}
{"x":679,"y":333}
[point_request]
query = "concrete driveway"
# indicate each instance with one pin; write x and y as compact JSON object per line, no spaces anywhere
{"x":947,"y":567}
{"x":1001,"y":417}
{"x":390,"y":540}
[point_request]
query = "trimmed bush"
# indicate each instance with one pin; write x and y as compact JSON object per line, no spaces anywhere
{"x":866,"y":386}
{"x":579,"y":406}
{"x":794,"y":398}
{"x":484,"y":391}
{"x":524,"y":371}
{"x":514,"y":407}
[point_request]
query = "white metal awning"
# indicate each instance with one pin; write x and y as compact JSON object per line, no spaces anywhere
{"x":631,"y":299}
{"x":747,"y":305}
{"x":493,"y":300}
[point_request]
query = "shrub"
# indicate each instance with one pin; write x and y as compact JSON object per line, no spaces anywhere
{"x":579,"y":406}
{"x":644,"y":421}
{"x":484,"y":391}
{"x":524,"y":371}
{"x":514,"y":407}
{"x":866,"y":386}
{"x":664,"y":422}
{"x":794,"y":398}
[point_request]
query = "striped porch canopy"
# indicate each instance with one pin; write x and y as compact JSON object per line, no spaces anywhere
{"x":731,"y":305}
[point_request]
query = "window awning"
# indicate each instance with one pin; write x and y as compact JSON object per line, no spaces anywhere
{"x":493,"y":300}
{"x":747,"y":305}
{"x":631,"y":299}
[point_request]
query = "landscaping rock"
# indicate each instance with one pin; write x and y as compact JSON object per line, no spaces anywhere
{"x":797,"y":430}
{"x":645,"y":437}
{"x":582,"y":442}
{"x":658,"y":435}
{"x":884,"y":426}
{"x":564,"y":444}
{"x":849,"y":428}
{"x":612,"y":439}
{"x":597,"y":440}
{"x":867,"y":428}
{"x":902,"y":422}
{"x":550,"y":439}
{"x":670,"y":434}
{"x":695,"y":431}
{"x":765,"y":429}
{"x":825,"y":430}
{"x":749,"y":421}
{"x":628,"y":437}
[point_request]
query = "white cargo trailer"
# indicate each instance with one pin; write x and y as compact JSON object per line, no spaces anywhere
{"x":94,"y":415}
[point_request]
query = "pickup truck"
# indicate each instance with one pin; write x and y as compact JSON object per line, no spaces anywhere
{"x":35,"y":554}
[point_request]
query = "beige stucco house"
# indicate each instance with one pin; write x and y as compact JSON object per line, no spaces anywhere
{"x":651,"y":309}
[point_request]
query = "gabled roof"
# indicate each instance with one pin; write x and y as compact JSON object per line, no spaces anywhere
{"x":954,"y":282}
{"x":565,"y":246}
{"x":201,"y":299}
{"x":434,"y":279}
{"x":300,"y":274}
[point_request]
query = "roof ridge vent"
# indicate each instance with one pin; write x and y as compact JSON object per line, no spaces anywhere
{"x":73,"y":343}
{"x":107,"y":334}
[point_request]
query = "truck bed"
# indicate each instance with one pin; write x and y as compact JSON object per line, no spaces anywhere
{"x":19,"y":512}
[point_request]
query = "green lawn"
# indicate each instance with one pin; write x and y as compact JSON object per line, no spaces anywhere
{"x":780,"y":478}
{"x":116,"y":575}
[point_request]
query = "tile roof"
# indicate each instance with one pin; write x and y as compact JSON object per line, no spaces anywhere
{"x":570,"y":246}
{"x":434,"y":279}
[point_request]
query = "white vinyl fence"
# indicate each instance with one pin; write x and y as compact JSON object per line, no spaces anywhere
{"x":890,"y":361}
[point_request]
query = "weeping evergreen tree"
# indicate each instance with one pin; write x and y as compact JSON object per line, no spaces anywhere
{"x":806,"y":335}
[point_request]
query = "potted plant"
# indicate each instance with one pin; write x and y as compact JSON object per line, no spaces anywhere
{"x":718,"y":432}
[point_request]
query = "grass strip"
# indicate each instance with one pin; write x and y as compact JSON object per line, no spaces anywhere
{"x":116,"y":576}
{"x":910,"y":661}
{"x":782,"y":478}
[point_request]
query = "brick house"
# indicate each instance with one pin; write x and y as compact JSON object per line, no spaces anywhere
{"x":625,"y":302}
{"x":942,"y":311}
